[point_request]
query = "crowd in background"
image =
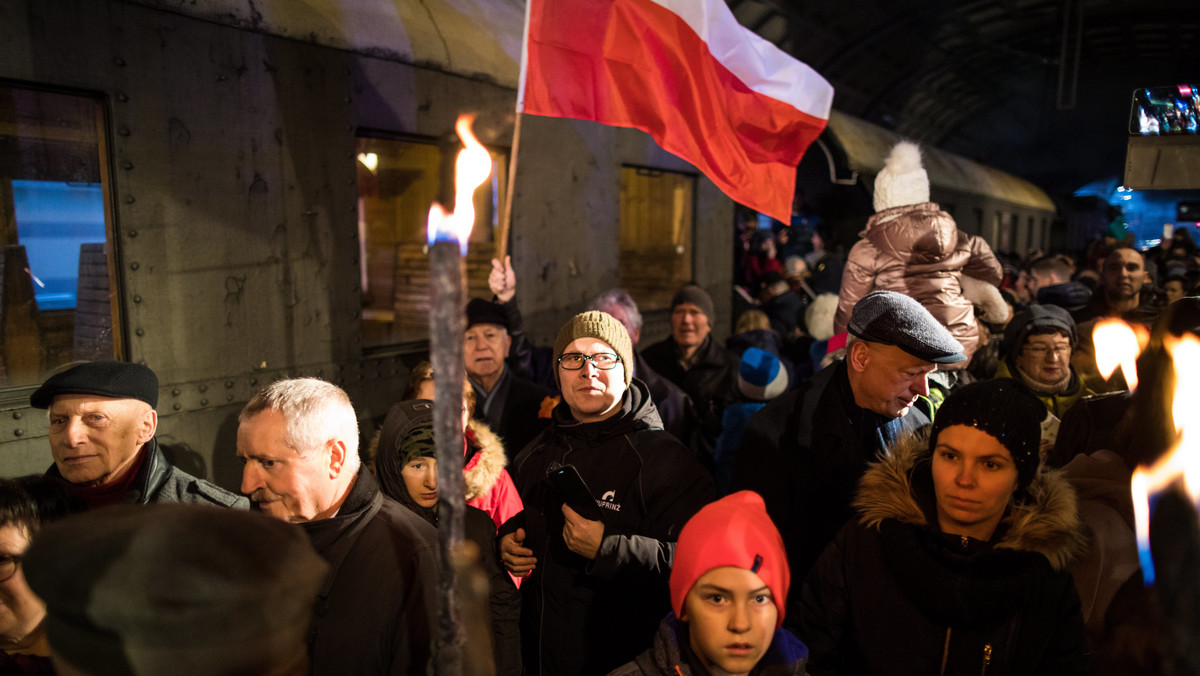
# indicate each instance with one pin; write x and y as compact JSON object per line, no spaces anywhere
{"x":902,"y":460}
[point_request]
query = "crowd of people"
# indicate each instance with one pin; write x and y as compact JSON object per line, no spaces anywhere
{"x":902,"y":461}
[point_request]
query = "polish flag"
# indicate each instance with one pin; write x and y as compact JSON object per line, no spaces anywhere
{"x":687,"y":73}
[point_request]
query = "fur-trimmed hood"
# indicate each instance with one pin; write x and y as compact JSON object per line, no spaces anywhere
{"x":1046,"y":523}
{"x":483,"y":471}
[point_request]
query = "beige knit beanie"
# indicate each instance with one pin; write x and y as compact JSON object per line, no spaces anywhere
{"x":601,"y":326}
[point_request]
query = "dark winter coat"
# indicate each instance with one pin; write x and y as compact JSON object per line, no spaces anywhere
{"x":158,"y":481}
{"x":894,"y":595}
{"x":679,"y":416}
{"x":514,"y":415}
{"x":711,"y":382}
{"x":587,"y":617}
{"x":804,"y":453}
{"x":671,"y":655}
{"x":375,"y":613}
{"x":917,"y":250}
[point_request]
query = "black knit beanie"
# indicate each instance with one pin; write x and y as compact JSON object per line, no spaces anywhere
{"x":1006,"y":410}
{"x":697,"y":296}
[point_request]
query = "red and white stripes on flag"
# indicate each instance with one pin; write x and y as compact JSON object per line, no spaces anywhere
{"x":685,"y":72}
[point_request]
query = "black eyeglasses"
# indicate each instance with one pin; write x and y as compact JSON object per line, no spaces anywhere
{"x":8,"y":566}
{"x":573,"y":361}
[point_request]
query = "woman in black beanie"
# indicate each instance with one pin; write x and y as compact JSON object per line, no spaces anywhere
{"x":956,"y":563}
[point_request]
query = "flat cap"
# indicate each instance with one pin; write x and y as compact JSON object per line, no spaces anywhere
{"x":175,"y":589}
{"x":893,"y":318}
{"x":116,"y":379}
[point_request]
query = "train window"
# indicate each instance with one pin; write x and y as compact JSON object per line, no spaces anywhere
{"x":57,"y":276}
{"x":656,"y":234}
{"x":398,"y":179}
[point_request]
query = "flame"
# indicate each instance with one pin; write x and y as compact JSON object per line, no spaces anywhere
{"x":1183,"y":460}
{"x":471,"y":170}
{"x":1119,"y":344}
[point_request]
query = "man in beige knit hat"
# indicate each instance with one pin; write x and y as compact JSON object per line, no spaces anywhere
{"x":607,"y":573}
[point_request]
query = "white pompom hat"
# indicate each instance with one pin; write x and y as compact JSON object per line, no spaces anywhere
{"x":903,"y":180}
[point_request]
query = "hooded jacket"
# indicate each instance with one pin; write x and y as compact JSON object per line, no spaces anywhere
{"x":919,"y":251}
{"x":671,"y":655}
{"x":895,"y":595}
{"x":487,"y":485}
{"x":587,"y":617}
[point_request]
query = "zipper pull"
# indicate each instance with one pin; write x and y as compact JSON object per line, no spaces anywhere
{"x":964,"y":541}
{"x":987,"y":658}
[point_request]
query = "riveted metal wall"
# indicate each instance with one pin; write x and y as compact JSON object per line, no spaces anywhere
{"x":233,"y":183}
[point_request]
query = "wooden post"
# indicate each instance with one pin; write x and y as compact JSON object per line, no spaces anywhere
{"x":506,"y":213}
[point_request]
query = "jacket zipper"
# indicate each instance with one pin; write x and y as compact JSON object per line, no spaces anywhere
{"x":987,"y":658}
{"x":945,"y":652}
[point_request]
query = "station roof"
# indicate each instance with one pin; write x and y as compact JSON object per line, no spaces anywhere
{"x":1038,"y":88}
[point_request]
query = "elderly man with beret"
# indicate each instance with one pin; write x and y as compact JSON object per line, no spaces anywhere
{"x":102,"y":425}
{"x":805,"y":451}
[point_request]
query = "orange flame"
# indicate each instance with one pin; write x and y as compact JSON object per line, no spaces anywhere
{"x":1119,"y":344}
{"x":471,"y":169}
{"x":1183,"y":460}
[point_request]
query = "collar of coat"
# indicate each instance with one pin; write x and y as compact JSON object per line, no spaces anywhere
{"x":1046,"y":523}
{"x":484,"y":474}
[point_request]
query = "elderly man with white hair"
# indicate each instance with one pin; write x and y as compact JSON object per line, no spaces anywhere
{"x":298,"y":441}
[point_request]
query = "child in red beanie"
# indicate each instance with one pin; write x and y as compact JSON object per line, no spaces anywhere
{"x":729,"y":586}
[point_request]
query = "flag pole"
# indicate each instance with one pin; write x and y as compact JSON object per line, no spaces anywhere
{"x":506,"y":212}
{"x":510,"y":189}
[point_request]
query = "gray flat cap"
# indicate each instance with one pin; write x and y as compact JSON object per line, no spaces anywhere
{"x":893,"y":318}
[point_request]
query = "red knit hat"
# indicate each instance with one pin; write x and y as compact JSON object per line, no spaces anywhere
{"x":733,"y":531}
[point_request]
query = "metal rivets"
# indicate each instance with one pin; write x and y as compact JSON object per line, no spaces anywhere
{"x":140,"y":332}
{"x":137,"y":299}
{"x":134,"y":265}
{"x":18,"y":433}
{"x":229,"y":397}
{"x":204,"y":402}
{"x":129,"y":199}
{"x":128,"y":166}
{"x":123,"y":131}
{"x":229,"y":384}
{"x":204,"y":388}
{"x":177,"y":407}
{"x":175,"y":392}
{"x":122,"y":97}
{"x":16,"y":415}
{"x":254,"y":381}
{"x":133,"y":233}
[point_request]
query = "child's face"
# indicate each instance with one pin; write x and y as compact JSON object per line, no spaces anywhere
{"x":731,"y":618}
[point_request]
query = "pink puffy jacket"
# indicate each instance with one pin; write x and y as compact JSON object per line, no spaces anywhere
{"x":919,"y":251}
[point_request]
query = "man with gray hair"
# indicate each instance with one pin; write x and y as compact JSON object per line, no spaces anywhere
{"x":679,"y":416}
{"x":298,"y":442}
{"x":805,"y":451}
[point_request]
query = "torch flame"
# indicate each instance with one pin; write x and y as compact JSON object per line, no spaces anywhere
{"x":1183,"y":460}
{"x":1118,"y":344}
{"x":471,"y":170}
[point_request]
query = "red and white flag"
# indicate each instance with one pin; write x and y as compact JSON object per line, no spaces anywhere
{"x":685,"y":72}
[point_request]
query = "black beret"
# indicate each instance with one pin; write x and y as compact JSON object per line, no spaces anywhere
{"x":893,"y":318}
{"x":116,"y":379}
{"x":480,"y":311}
